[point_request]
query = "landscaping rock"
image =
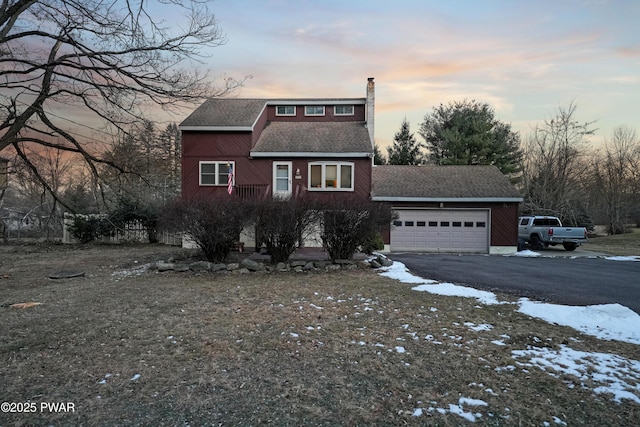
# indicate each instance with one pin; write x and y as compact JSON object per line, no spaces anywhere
{"x":242,"y":271}
{"x":383,"y":260}
{"x":233,"y":266}
{"x":201,"y":266}
{"x":309,"y":266}
{"x":218,"y":267}
{"x":363,"y":264}
{"x":181,"y":268}
{"x":375,"y":264}
{"x":333,"y":267}
{"x":165,"y":266}
{"x":298,"y":269}
{"x":251,"y":265}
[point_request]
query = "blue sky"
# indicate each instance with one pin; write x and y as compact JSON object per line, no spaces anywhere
{"x":524,"y":58}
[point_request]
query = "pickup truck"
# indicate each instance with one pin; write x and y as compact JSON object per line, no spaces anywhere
{"x":542,"y":231}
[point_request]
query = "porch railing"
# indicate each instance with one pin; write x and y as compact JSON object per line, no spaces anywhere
{"x":251,"y":191}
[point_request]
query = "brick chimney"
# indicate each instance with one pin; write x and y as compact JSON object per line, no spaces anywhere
{"x":371,"y":103}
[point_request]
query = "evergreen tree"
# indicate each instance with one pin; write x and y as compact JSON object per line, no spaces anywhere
{"x":378,"y":157}
{"x":405,"y":149}
{"x":467,"y":133}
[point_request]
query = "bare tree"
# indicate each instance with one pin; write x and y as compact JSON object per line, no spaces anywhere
{"x":32,"y":203}
{"x":553,"y":155}
{"x":615,"y":174}
{"x":107,"y":60}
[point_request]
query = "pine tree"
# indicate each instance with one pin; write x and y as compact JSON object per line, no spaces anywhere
{"x":378,"y":157}
{"x":405,"y":149}
{"x":467,"y":133}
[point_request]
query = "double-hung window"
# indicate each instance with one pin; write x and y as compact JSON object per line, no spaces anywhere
{"x":331,"y":176}
{"x":216,"y":173}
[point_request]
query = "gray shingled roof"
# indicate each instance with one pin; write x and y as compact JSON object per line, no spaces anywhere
{"x":239,"y":112}
{"x":441,"y":182}
{"x":314,"y":137}
{"x":225,"y":112}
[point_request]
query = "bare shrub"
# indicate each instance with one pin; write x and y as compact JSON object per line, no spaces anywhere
{"x":282,"y":224}
{"x":214,"y":224}
{"x":350,"y":223}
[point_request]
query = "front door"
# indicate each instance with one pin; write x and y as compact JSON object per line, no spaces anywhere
{"x":282,"y":179}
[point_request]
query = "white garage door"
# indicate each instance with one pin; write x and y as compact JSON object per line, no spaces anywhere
{"x":453,"y":230}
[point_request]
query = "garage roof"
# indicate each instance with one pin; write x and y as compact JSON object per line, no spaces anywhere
{"x":435,"y":183}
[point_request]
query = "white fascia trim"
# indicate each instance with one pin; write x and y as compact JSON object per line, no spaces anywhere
{"x":217,"y":128}
{"x":264,"y":107}
{"x":306,"y":154}
{"x":449,"y":199}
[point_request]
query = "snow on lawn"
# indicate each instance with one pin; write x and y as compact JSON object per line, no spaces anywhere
{"x":608,"y":321}
{"x":606,"y":373}
{"x":610,"y":373}
{"x":399,"y":272}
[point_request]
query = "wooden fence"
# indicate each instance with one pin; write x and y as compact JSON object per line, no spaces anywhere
{"x":132,"y":232}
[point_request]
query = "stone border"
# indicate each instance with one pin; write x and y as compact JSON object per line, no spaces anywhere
{"x":248,"y":265}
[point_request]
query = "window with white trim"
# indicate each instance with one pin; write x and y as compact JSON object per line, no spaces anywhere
{"x":285,"y":110}
{"x":216,"y":173}
{"x":331,"y":176}
{"x":343,"y":110}
{"x":314,"y":110}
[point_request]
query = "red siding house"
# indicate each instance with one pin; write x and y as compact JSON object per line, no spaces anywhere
{"x":319,"y":148}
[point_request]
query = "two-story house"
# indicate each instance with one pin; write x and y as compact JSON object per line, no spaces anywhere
{"x":320,"y":148}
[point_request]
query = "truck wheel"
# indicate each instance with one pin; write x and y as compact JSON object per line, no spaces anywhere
{"x":570,"y":246}
{"x":535,"y":243}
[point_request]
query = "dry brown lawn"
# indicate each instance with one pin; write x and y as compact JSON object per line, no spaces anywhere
{"x":621,"y":244}
{"x":133,"y":347}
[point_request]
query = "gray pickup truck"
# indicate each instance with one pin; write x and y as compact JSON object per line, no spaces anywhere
{"x":542,"y":231}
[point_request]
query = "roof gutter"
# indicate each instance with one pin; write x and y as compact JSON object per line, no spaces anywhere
{"x":308,"y":154}
{"x":216,"y":128}
{"x":448,"y":199}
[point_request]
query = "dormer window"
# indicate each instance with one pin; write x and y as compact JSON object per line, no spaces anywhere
{"x":314,"y":110}
{"x":285,"y":110}
{"x":343,"y":110}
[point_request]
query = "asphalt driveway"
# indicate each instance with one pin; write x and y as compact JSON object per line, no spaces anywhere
{"x":557,"y":276}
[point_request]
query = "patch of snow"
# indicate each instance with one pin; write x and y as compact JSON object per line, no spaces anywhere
{"x":613,"y":374}
{"x":622,"y":258}
{"x":449,"y":289}
{"x":607,"y":321}
{"x":132,"y":271}
{"x":136,"y":377}
{"x":400,"y":349}
{"x":559,"y":421}
{"x":398,"y":271}
{"x":525,"y":253}
{"x":472,"y":402}
{"x":478,"y":328}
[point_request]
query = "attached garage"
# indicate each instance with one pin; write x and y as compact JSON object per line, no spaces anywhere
{"x":448,"y":208}
{"x":441,"y":230}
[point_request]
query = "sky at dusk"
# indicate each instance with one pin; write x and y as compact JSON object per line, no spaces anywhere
{"x":524,"y":58}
